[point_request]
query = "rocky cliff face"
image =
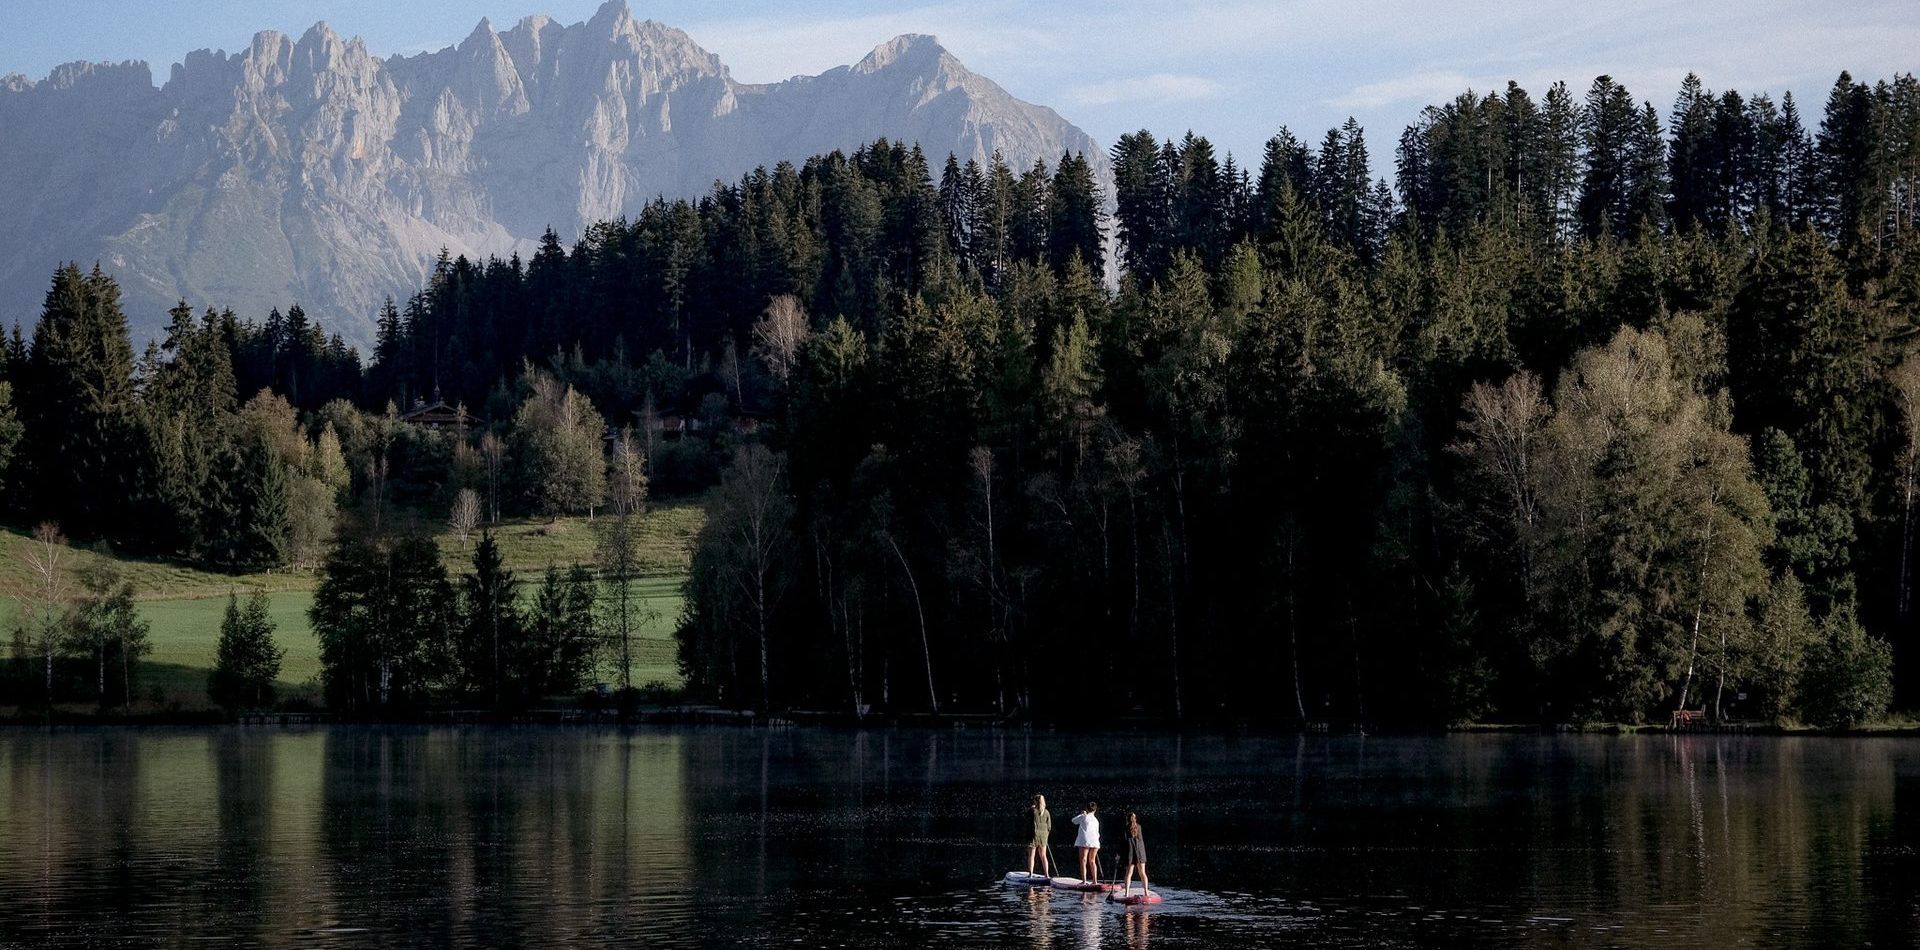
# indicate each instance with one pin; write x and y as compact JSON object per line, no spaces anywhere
{"x":309,"y":170}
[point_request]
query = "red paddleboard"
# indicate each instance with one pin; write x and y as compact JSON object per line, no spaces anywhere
{"x":1135,"y":899}
{"x":1075,"y":884}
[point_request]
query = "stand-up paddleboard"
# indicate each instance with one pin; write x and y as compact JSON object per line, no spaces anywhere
{"x":1136,"y":899}
{"x":1075,"y":884}
{"x":1026,"y":879}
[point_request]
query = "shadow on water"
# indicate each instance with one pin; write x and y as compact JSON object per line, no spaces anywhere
{"x":718,"y":837}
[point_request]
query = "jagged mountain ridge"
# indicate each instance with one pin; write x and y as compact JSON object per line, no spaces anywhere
{"x":310,"y":170}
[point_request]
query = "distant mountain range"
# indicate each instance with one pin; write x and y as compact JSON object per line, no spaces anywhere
{"x":311,"y":171}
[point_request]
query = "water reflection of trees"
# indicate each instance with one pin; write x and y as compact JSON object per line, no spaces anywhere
{"x":510,"y":838}
{"x":538,"y":837}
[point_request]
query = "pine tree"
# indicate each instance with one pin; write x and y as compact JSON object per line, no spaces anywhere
{"x":248,"y":510}
{"x":1201,"y":199}
{"x":1073,"y":211}
{"x":1691,"y":165}
{"x":386,"y":376}
{"x":383,"y":613}
{"x":1848,"y":189}
{"x":247,"y":660}
{"x":79,"y":393}
{"x":10,"y":431}
{"x":1555,"y":160}
{"x":1142,"y":214}
{"x":561,"y":631}
{"x":490,"y":642}
{"x":1608,"y":130}
{"x":956,"y":209}
{"x":1646,"y":209}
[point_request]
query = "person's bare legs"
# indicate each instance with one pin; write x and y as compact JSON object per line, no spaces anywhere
{"x":1127,"y":887}
{"x":1144,"y":886}
{"x":1030,"y":850}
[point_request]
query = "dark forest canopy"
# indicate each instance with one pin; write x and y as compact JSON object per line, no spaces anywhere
{"x":1590,"y":413}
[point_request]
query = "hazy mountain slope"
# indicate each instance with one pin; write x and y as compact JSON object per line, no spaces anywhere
{"x":308,"y":170}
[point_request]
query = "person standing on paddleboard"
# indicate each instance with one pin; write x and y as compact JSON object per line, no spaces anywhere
{"x":1042,"y":834}
{"x":1088,"y":842}
{"x":1136,"y":857}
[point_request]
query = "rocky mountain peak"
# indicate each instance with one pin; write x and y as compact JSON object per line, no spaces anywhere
{"x":913,"y":51}
{"x":310,"y":170}
{"x":613,"y":19}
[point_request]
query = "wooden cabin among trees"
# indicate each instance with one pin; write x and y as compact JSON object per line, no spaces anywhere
{"x":438,"y":415}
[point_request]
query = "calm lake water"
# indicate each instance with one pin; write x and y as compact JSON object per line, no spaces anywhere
{"x":376,"y":837}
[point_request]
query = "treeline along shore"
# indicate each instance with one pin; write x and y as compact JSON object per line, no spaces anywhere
{"x":1591,"y":414}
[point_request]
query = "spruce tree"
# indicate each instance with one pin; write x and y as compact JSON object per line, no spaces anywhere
{"x":383,"y":614}
{"x":489,"y":643}
{"x":1848,"y":189}
{"x":248,"y":510}
{"x":247,"y":660}
{"x":1073,"y":211}
{"x":561,"y":631}
{"x":10,"y":431}
{"x":79,"y":394}
{"x":1142,"y":214}
{"x":1608,"y":130}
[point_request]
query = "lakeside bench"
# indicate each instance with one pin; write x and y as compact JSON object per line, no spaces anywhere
{"x":1687,"y":719}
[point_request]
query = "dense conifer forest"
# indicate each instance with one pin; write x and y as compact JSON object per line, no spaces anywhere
{"x":1592,"y":413}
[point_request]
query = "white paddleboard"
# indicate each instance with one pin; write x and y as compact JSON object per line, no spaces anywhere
{"x":1024,"y":879}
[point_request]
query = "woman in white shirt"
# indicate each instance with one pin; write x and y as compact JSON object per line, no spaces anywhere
{"x":1088,"y":842}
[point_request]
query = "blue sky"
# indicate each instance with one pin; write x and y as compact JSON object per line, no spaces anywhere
{"x":1234,"y":71}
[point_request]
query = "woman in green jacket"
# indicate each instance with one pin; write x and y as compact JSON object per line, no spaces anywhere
{"x":1042,"y":832}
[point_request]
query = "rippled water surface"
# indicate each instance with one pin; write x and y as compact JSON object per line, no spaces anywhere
{"x":367,"y":837}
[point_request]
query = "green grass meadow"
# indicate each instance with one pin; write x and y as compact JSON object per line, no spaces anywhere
{"x":184,"y":605}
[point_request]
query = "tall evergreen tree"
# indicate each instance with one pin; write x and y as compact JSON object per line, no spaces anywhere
{"x":79,"y":391}
{"x":490,"y":642}
{"x":247,"y":660}
{"x":383,"y":614}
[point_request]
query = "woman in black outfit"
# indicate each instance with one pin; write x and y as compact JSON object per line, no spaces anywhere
{"x":1136,"y":857}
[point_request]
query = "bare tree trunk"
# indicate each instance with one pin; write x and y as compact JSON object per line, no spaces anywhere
{"x":1720,"y":681}
{"x":1353,"y":637}
{"x":983,"y":466}
{"x":823,"y":577}
{"x":1133,"y":526}
{"x":1173,"y":617}
{"x":760,"y":624}
{"x":1700,"y":605}
{"x":1186,"y":571}
{"x":1906,"y":543}
{"x":926,"y":649}
{"x":1293,"y":633}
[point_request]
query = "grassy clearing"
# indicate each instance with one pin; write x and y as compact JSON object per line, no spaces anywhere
{"x":529,"y":546}
{"x":186,"y":631}
{"x":184,"y":604}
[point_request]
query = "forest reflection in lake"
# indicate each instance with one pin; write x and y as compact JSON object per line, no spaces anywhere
{"x":364,"y":836}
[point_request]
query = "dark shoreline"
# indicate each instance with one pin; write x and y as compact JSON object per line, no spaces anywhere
{"x":746,"y":719}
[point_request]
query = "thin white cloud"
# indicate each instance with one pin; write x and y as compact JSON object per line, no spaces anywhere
{"x":1421,"y":87}
{"x":1156,"y":88}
